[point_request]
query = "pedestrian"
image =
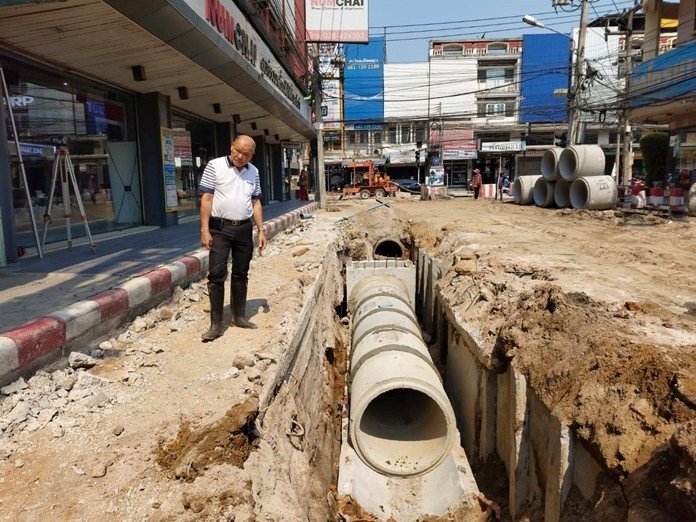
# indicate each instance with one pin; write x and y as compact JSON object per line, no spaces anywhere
{"x":501,"y":182}
{"x":476,"y":182}
{"x":231,"y":190}
{"x":303,"y":183}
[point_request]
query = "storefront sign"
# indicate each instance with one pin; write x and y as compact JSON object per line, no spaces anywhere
{"x":32,"y":150}
{"x":339,"y":21}
{"x":230,"y":22}
{"x":367,"y":127}
{"x":436,"y":177}
{"x":363,"y":81}
{"x":664,"y":77}
{"x":402,"y":156}
{"x":21,"y":102}
{"x":503,"y":146}
{"x":459,"y":154}
{"x":171,"y":200}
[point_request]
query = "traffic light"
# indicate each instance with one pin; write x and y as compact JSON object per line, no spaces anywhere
{"x":561,"y":140}
{"x":417,"y":156}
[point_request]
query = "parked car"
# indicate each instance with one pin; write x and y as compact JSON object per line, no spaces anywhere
{"x":411,"y":185}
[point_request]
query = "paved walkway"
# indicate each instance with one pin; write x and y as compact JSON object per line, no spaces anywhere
{"x":34,"y":287}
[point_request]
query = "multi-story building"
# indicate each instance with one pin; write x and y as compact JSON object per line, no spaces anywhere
{"x":144,"y":94}
{"x":662,"y":87}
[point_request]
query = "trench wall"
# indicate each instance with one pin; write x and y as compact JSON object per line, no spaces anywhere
{"x":499,"y":413}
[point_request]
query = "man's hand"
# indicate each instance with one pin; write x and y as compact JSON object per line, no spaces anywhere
{"x":262,"y":240}
{"x":206,"y":240}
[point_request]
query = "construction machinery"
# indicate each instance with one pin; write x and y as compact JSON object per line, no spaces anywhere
{"x":365,"y":182}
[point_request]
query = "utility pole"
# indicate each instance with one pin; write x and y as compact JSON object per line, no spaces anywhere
{"x":579,"y":74}
{"x":318,"y":100}
{"x":627,"y":134}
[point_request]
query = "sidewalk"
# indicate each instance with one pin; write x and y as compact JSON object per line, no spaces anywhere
{"x":52,"y":303}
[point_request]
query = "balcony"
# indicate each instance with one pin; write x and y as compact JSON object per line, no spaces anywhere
{"x":487,"y":88}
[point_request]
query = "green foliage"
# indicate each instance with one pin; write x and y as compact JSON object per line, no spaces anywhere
{"x":655,"y":148}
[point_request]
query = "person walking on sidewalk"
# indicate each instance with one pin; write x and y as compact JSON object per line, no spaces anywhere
{"x":476,"y":182}
{"x":231,"y":190}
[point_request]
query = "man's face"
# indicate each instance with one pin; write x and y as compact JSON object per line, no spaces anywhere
{"x":241,"y":153}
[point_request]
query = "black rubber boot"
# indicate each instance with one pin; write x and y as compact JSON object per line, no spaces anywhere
{"x":217,"y":303}
{"x":238,"y":305}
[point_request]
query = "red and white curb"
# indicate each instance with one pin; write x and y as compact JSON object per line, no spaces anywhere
{"x":108,"y":310}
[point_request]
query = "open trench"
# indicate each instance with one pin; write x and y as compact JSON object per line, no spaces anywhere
{"x":530,"y":461}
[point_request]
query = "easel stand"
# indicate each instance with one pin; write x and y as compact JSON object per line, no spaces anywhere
{"x":8,"y":104}
{"x":63,"y":167}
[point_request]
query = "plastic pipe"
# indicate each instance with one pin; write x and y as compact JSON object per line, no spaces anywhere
{"x":543,"y":193}
{"x":561,"y":193}
{"x":595,"y":193}
{"x":524,"y":189}
{"x":549,"y":163}
{"x":401,"y":421}
{"x":581,"y":161}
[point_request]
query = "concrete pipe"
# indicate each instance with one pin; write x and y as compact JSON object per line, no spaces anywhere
{"x":401,"y":422}
{"x":596,"y":193}
{"x":549,"y":163}
{"x":561,"y":193}
{"x":524,"y":189}
{"x":389,"y":248}
{"x":543,"y":193}
{"x":581,"y":161}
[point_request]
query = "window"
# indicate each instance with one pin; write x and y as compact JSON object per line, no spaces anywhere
{"x":452,"y":49}
{"x":391,"y":134}
{"x":378,"y":137}
{"x":497,"y":48}
{"x":420,"y":133}
{"x":362,"y":136}
{"x":495,"y":109}
{"x":350,"y":137}
{"x":405,"y":133}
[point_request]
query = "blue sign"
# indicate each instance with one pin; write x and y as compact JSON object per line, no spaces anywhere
{"x":363,"y":85}
{"x":545,"y":68}
{"x":665,"y":77}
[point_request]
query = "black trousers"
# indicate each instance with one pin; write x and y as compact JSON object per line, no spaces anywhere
{"x":237,"y":239}
{"x":476,"y":192}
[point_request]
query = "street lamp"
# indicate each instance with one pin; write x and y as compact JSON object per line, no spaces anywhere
{"x":530,"y":20}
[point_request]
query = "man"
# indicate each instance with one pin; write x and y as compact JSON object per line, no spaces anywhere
{"x":476,"y":182}
{"x":231,"y":190}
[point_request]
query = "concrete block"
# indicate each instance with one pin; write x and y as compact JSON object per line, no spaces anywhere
{"x":518,"y":471}
{"x":179,"y":273}
{"x":139,"y":291}
{"x":9,"y":356}
{"x":78,"y":318}
{"x":487,"y":410}
{"x":559,"y":476}
{"x":585,"y":470}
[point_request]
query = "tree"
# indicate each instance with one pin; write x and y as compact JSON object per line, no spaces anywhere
{"x":655,"y":147}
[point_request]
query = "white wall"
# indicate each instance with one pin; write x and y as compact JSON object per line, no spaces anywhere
{"x":404,"y":83}
{"x":452,"y":87}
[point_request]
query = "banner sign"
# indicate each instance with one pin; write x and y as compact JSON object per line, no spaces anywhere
{"x":436,"y":176}
{"x":363,"y":82}
{"x":504,"y":146}
{"x":339,"y":21}
{"x":459,"y":154}
{"x":171,"y":200}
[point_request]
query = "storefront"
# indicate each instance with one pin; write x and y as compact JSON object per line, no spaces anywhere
{"x":97,"y":125}
{"x":458,"y":166}
{"x":497,"y":157}
{"x":142,"y":101}
{"x":683,"y":172}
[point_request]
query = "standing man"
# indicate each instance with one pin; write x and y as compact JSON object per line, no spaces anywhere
{"x":476,"y":182}
{"x":231,"y":190}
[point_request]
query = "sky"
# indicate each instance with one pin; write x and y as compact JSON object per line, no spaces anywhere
{"x":468,"y":19}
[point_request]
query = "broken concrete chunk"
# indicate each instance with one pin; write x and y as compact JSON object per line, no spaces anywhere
{"x":300,"y":252}
{"x":106,"y":345}
{"x":15,"y":387}
{"x":97,"y":354}
{"x":81,"y":360}
{"x":138,"y":325}
{"x":243,"y":360}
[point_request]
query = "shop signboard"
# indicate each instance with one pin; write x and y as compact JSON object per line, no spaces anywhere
{"x":363,"y":81}
{"x":233,"y":26}
{"x":171,"y":200}
{"x":331,"y":92}
{"x":665,"y":77}
{"x":459,"y":154}
{"x":340,"y":21}
{"x":436,"y":176}
{"x":400,"y":157}
{"x":504,"y":146}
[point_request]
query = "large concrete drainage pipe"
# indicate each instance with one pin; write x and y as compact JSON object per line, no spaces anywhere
{"x":561,"y":194}
{"x":524,"y":189}
{"x":401,"y":421}
{"x":597,"y":193}
{"x":389,"y":249}
{"x":543,"y":193}
{"x":581,"y":161}
{"x":549,"y":163}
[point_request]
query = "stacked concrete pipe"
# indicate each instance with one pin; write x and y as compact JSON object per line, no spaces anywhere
{"x":549,"y":164}
{"x":524,"y":189}
{"x":543,"y":193}
{"x":561,"y":193}
{"x":583,"y":166}
{"x":401,"y":422}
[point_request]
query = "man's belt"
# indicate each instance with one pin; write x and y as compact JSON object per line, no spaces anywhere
{"x":217,"y":223}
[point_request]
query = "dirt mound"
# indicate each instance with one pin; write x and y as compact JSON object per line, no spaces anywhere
{"x":227,"y":441}
{"x":614,"y":390}
{"x":366,"y":229}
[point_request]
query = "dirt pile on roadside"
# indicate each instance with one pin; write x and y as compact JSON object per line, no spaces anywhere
{"x":366,"y":229}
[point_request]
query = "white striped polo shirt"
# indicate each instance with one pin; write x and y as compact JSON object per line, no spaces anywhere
{"x":232,"y":189}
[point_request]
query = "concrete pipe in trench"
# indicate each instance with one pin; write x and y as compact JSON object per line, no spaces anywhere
{"x":401,"y":421}
{"x":581,"y":161}
{"x":543,"y":193}
{"x":549,"y":163}
{"x":596,"y":193}
{"x":389,"y":248}
{"x":524,"y":189}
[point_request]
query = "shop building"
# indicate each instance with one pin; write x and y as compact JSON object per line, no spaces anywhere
{"x":663,"y":86}
{"x":143,"y":94}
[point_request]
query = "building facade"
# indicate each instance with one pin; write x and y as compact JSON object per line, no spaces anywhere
{"x":143,"y":94}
